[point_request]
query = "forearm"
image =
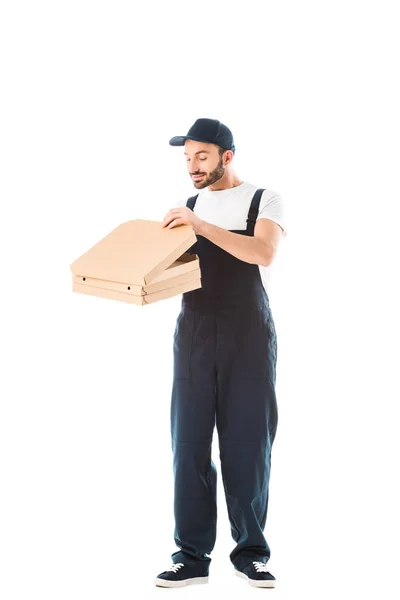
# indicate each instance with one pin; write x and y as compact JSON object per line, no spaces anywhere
{"x":247,"y":248}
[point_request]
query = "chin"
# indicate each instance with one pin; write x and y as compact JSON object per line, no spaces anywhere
{"x":199,"y":185}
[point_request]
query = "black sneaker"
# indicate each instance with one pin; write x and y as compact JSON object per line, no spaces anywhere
{"x":179,"y":575}
{"x":256,"y":574}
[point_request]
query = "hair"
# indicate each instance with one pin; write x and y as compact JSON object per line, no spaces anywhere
{"x":221,"y":150}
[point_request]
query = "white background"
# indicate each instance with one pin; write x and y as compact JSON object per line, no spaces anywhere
{"x":91,"y":92}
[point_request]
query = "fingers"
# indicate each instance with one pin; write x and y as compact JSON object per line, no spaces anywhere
{"x":170,"y":215}
{"x":173,"y":223}
{"x":167,"y":219}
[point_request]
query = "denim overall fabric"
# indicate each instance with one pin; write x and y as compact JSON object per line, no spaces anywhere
{"x":225,"y":352}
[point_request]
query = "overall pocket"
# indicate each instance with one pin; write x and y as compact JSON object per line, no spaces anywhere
{"x":256,"y":344}
{"x":182,"y":344}
{"x":268,"y":321}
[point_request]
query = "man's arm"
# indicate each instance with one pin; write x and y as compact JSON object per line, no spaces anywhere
{"x":259,"y":249}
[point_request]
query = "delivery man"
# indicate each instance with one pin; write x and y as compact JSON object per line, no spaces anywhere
{"x":225,"y":351}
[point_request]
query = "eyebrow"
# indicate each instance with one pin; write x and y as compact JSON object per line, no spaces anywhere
{"x":199,"y":152}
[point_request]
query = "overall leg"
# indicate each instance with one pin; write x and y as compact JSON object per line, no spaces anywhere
{"x":247,"y":421}
{"x":192,"y":426}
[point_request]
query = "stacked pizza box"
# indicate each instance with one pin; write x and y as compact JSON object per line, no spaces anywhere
{"x":139,"y":262}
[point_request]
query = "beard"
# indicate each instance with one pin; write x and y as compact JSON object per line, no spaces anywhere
{"x":211,"y":178}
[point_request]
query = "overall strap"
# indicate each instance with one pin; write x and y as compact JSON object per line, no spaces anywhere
{"x":191,"y":201}
{"x":253,"y":211}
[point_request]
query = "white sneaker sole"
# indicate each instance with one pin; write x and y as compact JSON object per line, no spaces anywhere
{"x":183,"y":582}
{"x":257,"y":582}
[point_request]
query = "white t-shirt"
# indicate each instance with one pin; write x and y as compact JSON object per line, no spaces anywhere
{"x":229,"y":209}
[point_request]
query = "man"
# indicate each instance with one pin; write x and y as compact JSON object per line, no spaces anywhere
{"x":225,"y":351}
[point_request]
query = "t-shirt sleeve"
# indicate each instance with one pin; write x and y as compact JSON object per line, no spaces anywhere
{"x":272,"y":207}
{"x":174,"y":204}
{"x":179,"y":203}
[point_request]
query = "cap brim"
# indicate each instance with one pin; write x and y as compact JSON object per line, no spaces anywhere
{"x":179,"y":140}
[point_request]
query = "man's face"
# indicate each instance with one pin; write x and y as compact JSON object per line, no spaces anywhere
{"x":204,"y":160}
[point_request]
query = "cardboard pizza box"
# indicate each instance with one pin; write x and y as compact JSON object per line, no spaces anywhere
{"x":139,"y":262}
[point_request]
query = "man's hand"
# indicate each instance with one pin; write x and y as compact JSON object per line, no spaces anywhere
{"x":182,"y":216}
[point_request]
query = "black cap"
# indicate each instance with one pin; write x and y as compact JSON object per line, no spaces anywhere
{"x":210,"y":131}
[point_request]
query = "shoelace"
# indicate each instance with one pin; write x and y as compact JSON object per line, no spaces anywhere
{"x":176,"y":567}
{"x":260,"y":566}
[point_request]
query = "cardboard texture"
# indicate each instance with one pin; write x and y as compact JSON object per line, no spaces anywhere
{"x":139,"y":262}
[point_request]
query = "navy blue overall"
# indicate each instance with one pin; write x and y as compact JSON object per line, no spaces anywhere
{"x":225,"y":351}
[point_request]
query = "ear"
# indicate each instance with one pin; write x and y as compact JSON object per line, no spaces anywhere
{"x":228,"y":156}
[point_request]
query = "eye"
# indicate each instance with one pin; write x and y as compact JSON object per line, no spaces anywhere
{"x":203,"y":159}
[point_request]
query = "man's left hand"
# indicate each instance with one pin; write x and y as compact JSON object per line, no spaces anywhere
{"x":182,"y":216}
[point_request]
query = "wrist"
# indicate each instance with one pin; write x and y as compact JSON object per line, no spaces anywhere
{"x":199,"y":229}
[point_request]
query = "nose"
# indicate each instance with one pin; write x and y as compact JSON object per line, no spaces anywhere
{"x":194,"y":166}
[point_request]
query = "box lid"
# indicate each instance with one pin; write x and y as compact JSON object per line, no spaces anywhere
{"x":135,"y":252}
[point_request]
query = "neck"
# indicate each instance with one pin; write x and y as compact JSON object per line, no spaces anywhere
{"x":228,"y":180}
